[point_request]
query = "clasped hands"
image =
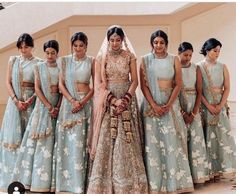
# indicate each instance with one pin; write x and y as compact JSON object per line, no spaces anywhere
{"x":23,"y":105}
{"x":76,"y":106}
{"x":120,"y":106}
{"x":188,"y":118}
{"x":214,"y":108}
{"x":161,"y":110}
{"x":53,"y":111}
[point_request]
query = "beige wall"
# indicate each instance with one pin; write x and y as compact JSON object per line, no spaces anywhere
{"x":194,"y":24}
{"x":138,"y":29}
{"x":219,"y":23}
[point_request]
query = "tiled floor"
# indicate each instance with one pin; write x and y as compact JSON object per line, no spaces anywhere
{"x":224,"y":186}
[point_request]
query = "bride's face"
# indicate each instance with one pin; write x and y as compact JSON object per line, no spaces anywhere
{"x":115,"y":42}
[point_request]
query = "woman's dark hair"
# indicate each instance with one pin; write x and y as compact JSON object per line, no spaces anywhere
{"x":116,"y":29}
{"x":51,"y":44}
{"x":159,"y":33}
{"x":79,"y":36}
{"x":27,"y":39}
{"x":210,"y":44}
{"x":185,"y":46}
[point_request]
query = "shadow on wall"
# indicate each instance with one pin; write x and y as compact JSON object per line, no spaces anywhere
{"x":1,"y":6}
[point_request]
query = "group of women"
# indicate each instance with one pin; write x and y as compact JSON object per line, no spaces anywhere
{"x":73,"y":124}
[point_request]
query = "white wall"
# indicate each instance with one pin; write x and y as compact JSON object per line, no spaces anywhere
{"x":219,"y":23}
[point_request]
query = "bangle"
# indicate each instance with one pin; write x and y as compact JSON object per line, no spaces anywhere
{"x":71,"y":99}
{"x":12,"y":97}
{"x":128,"y":94}
{"x":126,"y":99}
{"x":50,"y":109}
{"x":193,"y":114}
{"x":182,"y":112}
{"x":81,"y":104}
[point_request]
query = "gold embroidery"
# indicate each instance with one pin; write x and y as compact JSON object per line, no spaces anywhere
{"x":113,"y":122}
{"x":178,"y":130}
{"x":36,"y":135}
{"x":118,"y":68}
{"x":12,"y":146}
{"x":215,"y":120}
{"x":70,"y":124}
{"x":126,"y":117}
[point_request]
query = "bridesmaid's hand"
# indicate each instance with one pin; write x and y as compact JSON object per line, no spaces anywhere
{"x":218,"y":108}
{"x":185,"y":117}
{"x":77,"y":106}
{"x":212,"y":109}
{"x":188,"y":118}
{"x":158,"y":110}
{"x":21,"y":105}
{"x":30,"y":101}
{"x":166,"y":108}
{"x":54,"y":112}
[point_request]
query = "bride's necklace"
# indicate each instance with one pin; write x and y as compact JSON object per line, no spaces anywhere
{"x":115,"y":53}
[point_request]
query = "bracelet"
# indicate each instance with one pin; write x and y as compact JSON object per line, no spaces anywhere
{"x":12,"y":97}
{"x":126,"y":99}
{"x":71,"y":99}
{"x":128,"y":94}
{"x":193,"y":114}
{"x":110,"y":98}
{"x":51,"y":111}
{"x":182,"y":112}
{"x":81,"y":104}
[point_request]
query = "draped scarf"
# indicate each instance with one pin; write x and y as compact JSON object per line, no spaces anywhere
{"x":12,"y":119}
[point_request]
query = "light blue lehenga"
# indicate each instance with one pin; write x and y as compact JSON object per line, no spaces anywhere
{"x":221,"y":148}
{"x":166,"y":160}
{"x":70,"y":152}
{"x":15,"y":121}
{"x":34,"y":163}
{"x":196,"y":143}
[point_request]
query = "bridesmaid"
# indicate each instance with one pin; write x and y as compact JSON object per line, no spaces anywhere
{"x":221,"y":148}
{"x":165,"y":132}
{"x":190,"y":100}
{"x":20,"y":86}
{"x":34,"y":163}
{"x":73,"y":124}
